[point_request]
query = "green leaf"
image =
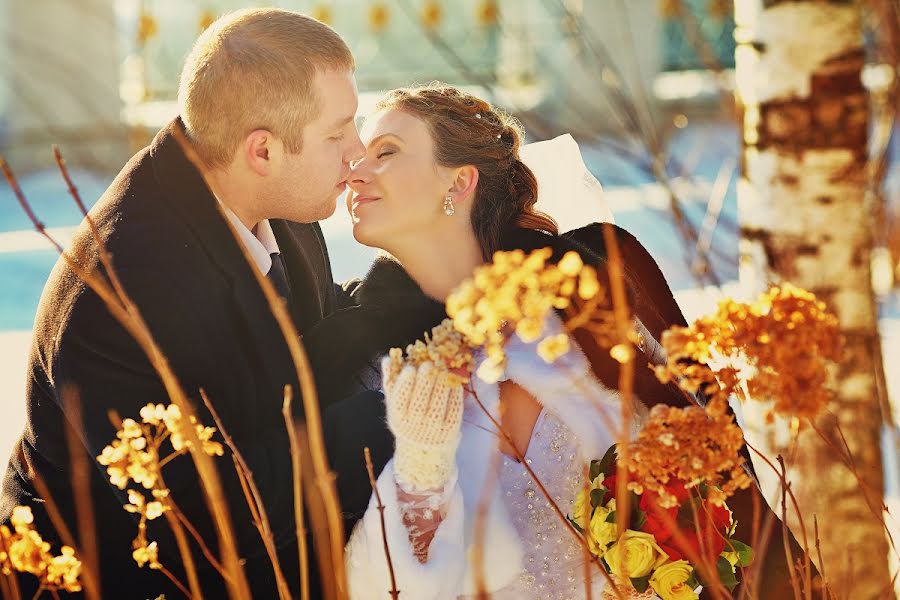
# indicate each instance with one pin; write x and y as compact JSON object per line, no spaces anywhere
{"x":605,"y":565}
{"x":686,"y":512}
{"x":611,"y":517}
{"x":638,"y":520}
{"x":692,"y":581}
{"x":641,"y":583}
{"x":744,"y":552}
{"x":726,"y":576}
{"x":594,"y":470}
{"x":575,"y":525}
{"x":607,"y":464}
{"x":597,"y":497}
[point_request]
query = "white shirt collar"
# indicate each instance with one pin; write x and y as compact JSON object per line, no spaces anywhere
{"x":261,"y":245}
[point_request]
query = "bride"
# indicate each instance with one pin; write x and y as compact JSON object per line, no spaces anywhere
{"x":442,"y":187}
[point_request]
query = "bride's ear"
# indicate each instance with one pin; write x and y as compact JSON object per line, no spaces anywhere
{"x":464,"y":184}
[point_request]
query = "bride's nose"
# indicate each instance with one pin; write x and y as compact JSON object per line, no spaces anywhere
{"x":360,"y":175}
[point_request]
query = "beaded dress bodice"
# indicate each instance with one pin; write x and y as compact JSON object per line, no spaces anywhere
{"x":554,"y":560}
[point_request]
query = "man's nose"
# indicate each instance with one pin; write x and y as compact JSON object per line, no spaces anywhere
{"x":357,"y":149}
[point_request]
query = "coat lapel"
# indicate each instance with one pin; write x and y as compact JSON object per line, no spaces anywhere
{"x":192,"y":203}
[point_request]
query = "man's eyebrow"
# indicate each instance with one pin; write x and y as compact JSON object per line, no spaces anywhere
{"x":341,"y":122}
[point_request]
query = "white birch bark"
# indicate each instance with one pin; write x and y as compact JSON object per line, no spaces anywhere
{"x":805,"y":220}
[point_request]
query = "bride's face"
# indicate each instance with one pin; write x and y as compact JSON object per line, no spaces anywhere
{"x":397,"y":188}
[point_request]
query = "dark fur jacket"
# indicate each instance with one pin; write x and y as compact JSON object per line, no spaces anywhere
{"x":392,"y":311}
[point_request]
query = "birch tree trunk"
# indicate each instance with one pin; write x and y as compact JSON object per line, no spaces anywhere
{"x":805,"y":220}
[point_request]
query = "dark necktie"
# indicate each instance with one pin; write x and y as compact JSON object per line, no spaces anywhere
{"x":278,"y":278}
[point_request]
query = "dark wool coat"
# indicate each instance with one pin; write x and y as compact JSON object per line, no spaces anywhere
{"x":179,"y":262}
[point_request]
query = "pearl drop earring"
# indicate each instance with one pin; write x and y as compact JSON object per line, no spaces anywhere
{"x":449,"y":209}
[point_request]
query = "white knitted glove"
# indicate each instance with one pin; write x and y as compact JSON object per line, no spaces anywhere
{"x":424,"y":411}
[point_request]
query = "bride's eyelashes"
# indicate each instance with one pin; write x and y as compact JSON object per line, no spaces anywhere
{"x":387,"y":151}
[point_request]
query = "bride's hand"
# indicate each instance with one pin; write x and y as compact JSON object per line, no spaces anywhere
{"x":424,"y":411}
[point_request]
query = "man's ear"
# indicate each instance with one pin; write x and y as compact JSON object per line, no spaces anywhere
{"x":464,"y":184}
{"x":260,"y":150}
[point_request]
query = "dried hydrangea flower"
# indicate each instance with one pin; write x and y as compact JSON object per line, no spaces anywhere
{"x":515,"y":293}
{"x":443,"y":346}
{"x":690,"y":445}
{"x":780,"y":346}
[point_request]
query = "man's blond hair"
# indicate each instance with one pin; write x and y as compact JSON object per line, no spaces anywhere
{"x":254,"y":69}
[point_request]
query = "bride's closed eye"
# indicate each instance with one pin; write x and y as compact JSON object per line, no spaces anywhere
{"x":385,"y":152}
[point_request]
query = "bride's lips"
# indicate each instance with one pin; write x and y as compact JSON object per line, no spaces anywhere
{"x":360,"y":200}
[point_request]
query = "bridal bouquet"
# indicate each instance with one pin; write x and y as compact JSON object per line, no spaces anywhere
{"x":662,"y":545}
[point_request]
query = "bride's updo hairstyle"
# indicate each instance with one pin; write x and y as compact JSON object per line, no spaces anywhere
{"x":469,"y":131}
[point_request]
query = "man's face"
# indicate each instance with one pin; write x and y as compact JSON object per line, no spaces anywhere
{"x":311,"y":181}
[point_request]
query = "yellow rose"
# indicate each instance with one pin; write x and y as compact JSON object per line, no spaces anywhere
{"x":634,"y":555}
{"x":670,"y":581}
{"x":601,"y":533}
{"x":732,"y":558}
{"x":582,"y":508}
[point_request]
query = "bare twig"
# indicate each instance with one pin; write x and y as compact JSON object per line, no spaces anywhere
{"x":296,"y":466}
{"x":784,"y":530}
{"x":540,"y":485}
{"x":481,"y":513}
{"x":175,"y":581}
{"x":184,"y":549}
{"x":622,"y":312}
{"x":81,"y":491}
{"x":825,"y":591}
{"x":254,"y":500}
{"x":123,"y":309}
{"x":395,"y":593}
{"x":323,"y":477}
{"x":207,"y":553}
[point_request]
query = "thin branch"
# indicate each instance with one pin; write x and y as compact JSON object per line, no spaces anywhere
{"x":540,"y":485}
{"x":254,"y":500}
{"x":395,"y":593}
{"x":81,"y":490}
{"x":481,"y":513}
{"x":207,"y":553}
{"x":784,"y":531}
{"x":123,"y":309}
{"x":826,"y":595}
{"x":175,"y":581}
{"x":20,"y":196}
{"x":323,"y":477}
{"x":184,"y":550}
{"x":296,"y":466}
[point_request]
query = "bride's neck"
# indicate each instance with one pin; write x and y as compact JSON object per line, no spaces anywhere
{"x":439,"y":265}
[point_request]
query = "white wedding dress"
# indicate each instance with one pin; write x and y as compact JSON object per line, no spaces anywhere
{"x":527,"y":552}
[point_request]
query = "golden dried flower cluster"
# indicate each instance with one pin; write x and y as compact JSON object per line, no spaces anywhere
{"x":444,"y":346}
{"x":516,"y":292}
{"x":135,"y":456}
{"x":23,"y":550}
{"x":780,"y":346}
{"x":690,"y":445}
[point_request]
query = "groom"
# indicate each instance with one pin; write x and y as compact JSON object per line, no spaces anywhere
{"x":267,"y":101}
